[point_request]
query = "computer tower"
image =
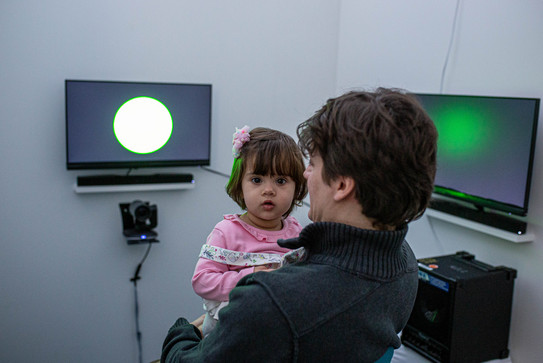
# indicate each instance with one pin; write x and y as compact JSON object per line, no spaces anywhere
{"x":462,"y":312}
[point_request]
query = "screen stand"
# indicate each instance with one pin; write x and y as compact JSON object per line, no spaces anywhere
{"x":478,"y":214}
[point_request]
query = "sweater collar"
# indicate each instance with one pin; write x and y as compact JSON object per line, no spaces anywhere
{"x":379,"y":254}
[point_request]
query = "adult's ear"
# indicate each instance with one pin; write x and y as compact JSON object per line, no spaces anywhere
{"x":344,"y":188}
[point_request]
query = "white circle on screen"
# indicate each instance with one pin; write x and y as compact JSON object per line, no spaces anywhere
{"x":143,"y":125}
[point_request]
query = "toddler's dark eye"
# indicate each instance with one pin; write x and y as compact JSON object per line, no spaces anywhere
{"x":256,"y":180}
{"x":281,"y":181}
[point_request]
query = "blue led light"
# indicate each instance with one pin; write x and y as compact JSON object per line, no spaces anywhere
{"x":143,"y":236}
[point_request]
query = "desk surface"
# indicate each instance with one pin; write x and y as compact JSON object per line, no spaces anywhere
{"x":407,"y":355}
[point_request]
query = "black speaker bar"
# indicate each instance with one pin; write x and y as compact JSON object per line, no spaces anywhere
{"x":485,"y":217}
{"x":95,"y":180}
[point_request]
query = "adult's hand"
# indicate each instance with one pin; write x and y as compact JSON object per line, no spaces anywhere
{"x":199,"y":323}
{"x":267,"y":268}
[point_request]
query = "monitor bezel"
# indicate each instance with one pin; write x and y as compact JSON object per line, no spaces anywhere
{"x":123,"y":164}
{"x":481,"y":202}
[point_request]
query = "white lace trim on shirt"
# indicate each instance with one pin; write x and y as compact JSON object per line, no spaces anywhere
{"x":229,"y":257}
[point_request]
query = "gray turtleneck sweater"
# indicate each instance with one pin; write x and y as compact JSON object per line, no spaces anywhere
{"x":346,"y":302}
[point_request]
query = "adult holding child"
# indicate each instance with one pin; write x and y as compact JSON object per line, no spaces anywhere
{"x":372,"y":161}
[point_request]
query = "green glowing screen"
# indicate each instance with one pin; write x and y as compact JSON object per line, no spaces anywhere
{"x":485,"y":147}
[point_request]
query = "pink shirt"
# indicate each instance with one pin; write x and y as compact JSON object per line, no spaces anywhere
{"x":214,"y":280}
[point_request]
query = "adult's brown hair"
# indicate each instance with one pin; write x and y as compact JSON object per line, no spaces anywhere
{"x":386,"y":142}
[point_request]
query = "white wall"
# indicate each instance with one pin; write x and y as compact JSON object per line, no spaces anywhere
{"x":497,"y":50}
{"x":65,"y":293}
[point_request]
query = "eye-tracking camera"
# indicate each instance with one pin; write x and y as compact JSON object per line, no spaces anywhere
{"x":139,"y":219}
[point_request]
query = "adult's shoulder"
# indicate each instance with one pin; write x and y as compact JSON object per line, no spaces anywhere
{"x":246,"y":322}
{"x":246,"y":327}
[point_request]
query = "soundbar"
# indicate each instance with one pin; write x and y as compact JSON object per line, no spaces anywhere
{"x":98,"y":180}
{"x":478,"y":215}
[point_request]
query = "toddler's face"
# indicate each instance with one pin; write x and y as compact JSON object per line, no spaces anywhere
{"x":267,"y":197}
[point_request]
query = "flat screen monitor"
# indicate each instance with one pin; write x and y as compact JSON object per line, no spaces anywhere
{"x":137,"y":124}
{"x":485,"y":148}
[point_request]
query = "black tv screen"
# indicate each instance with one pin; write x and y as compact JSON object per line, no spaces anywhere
{"x":485,"y":148}
{"x":137,"y":124}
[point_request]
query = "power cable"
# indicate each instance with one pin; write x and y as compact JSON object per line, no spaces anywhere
{"x":135,"y":281}
{"x":453,"y":31}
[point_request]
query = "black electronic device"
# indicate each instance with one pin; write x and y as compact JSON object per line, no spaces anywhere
{"x":485,"y":150}
{"x":462,"y":312}
{"x":112,"y":179}
{"x":489,"y":218}
{"x":137,"y":124}
{"x":139,"y":220}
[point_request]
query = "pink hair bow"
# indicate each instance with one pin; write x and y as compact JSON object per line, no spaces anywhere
{"x":241,"y":136}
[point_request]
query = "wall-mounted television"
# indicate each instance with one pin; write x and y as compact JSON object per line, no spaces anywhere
{"x":113,"y":124}
{"x":485,"y":149}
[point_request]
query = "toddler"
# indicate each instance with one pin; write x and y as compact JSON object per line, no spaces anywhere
{"x":267,"y":182}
